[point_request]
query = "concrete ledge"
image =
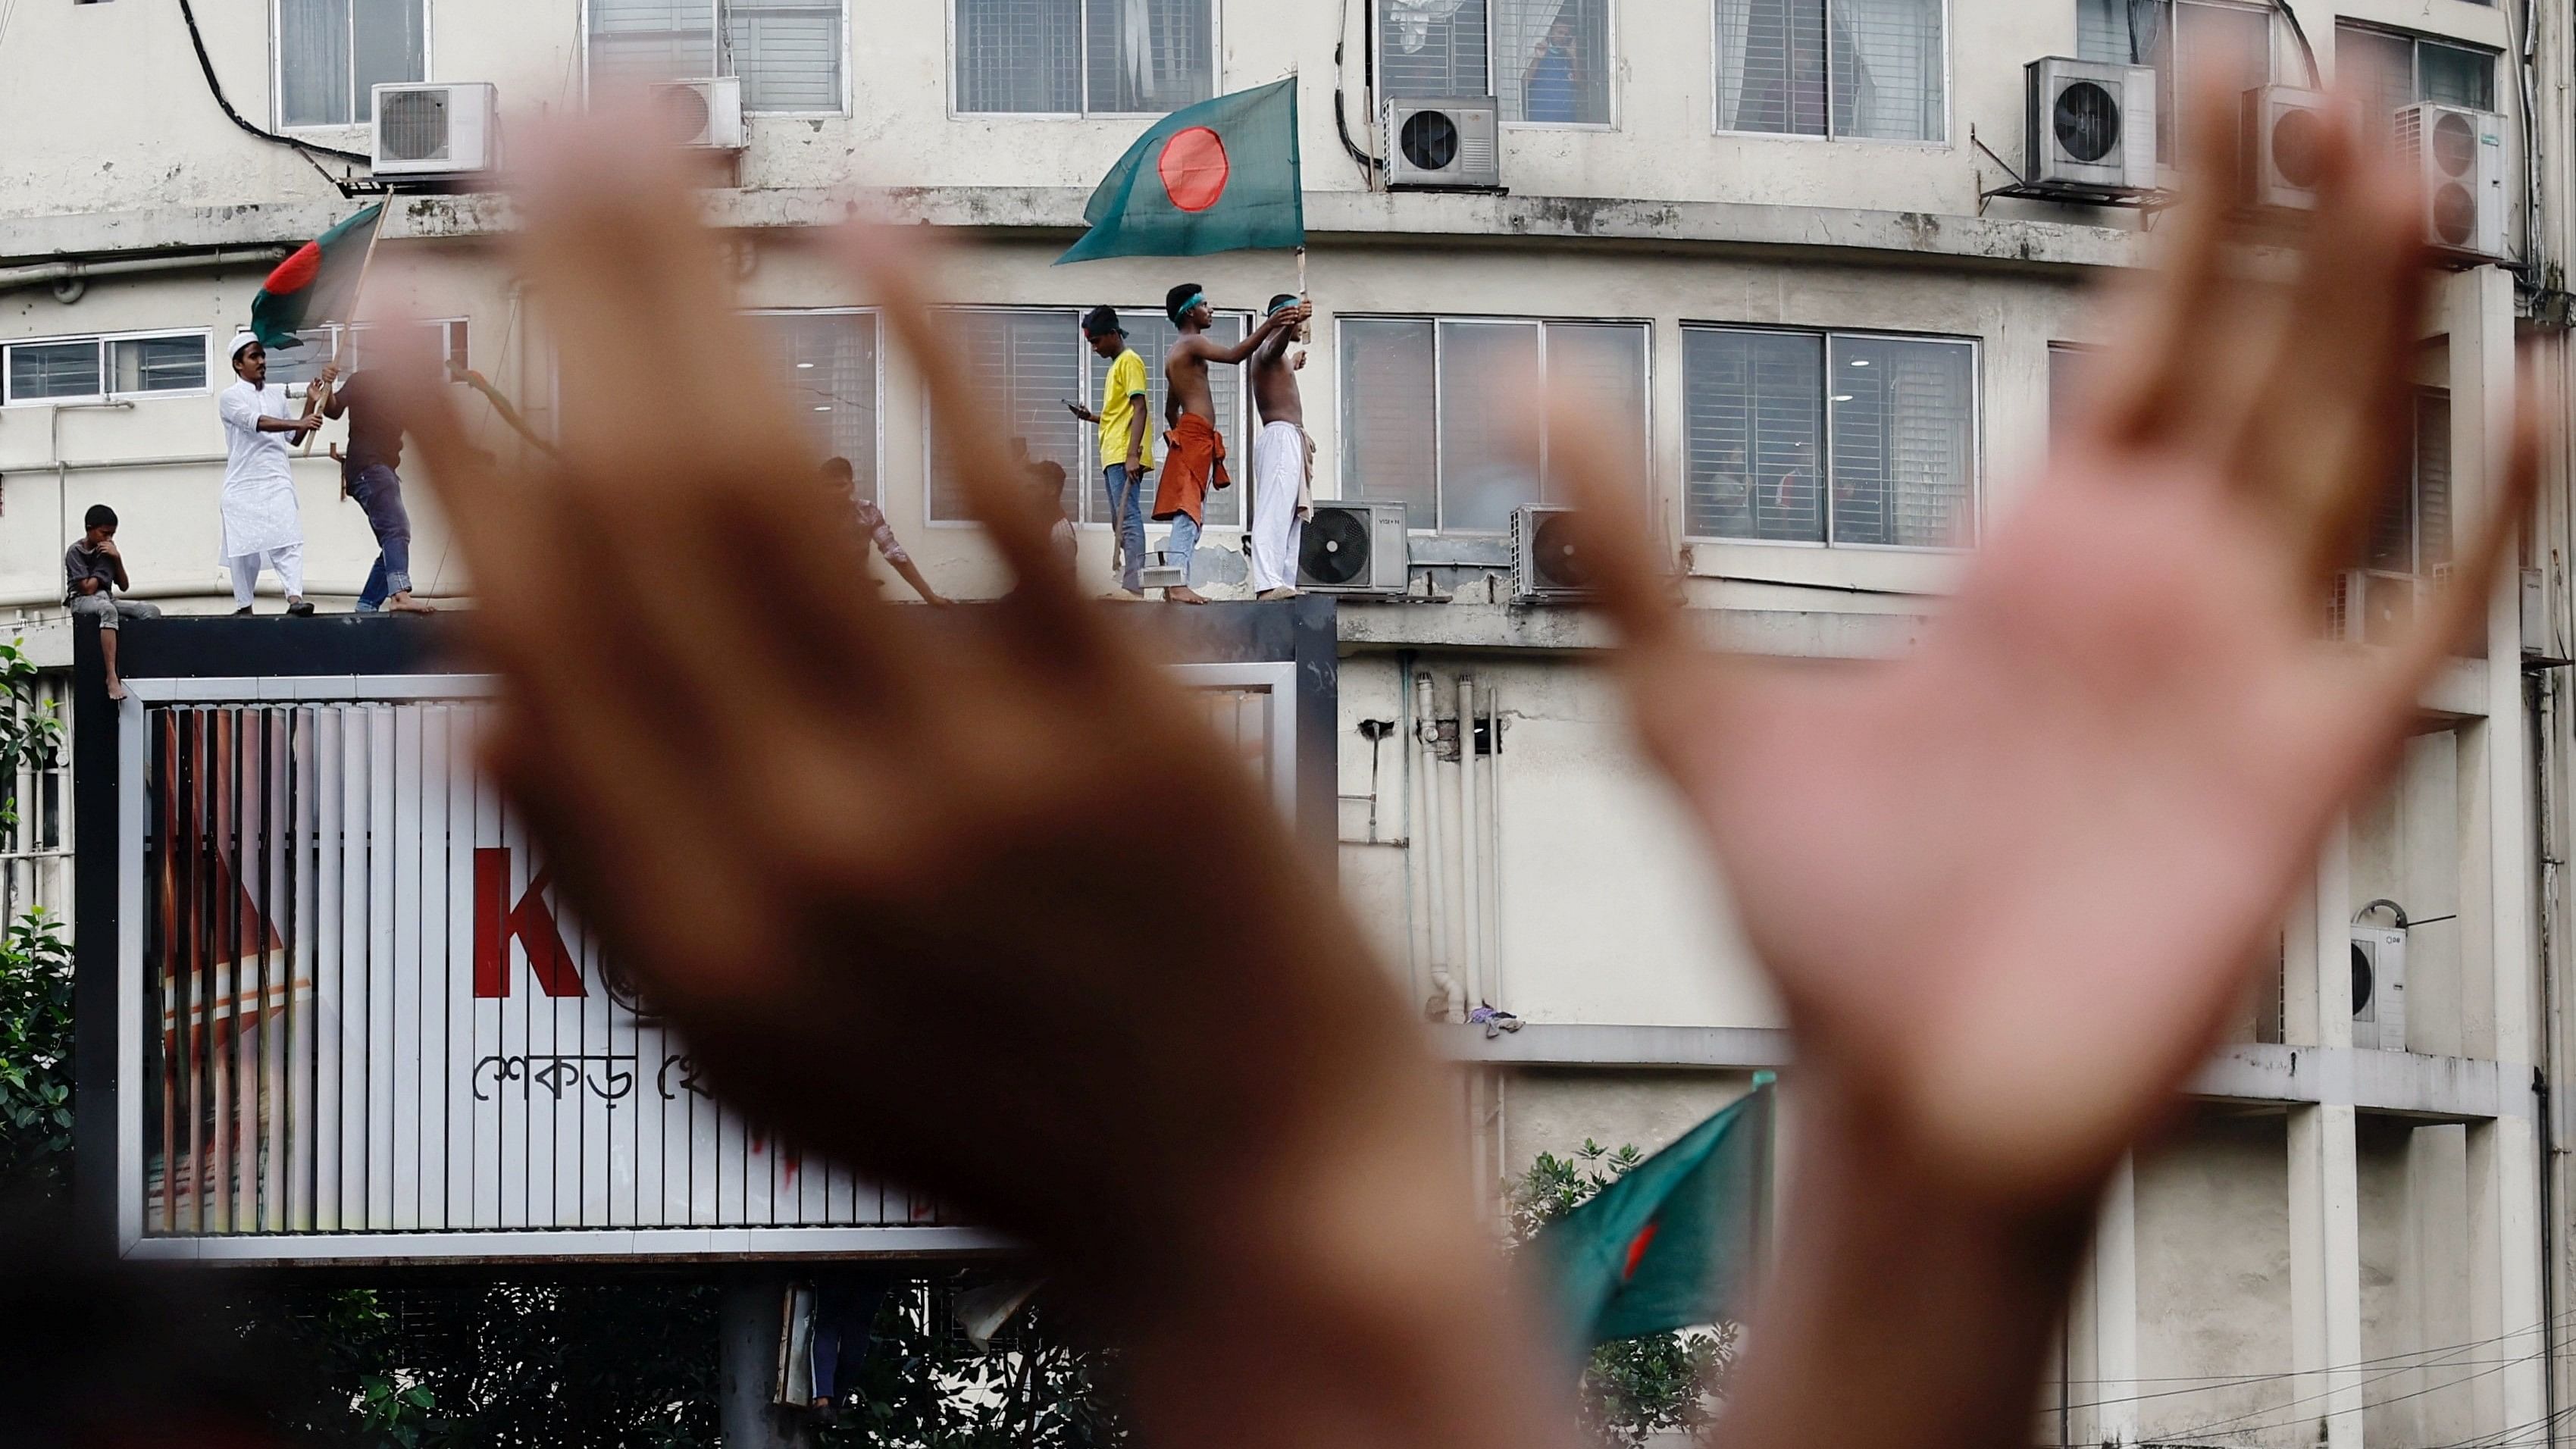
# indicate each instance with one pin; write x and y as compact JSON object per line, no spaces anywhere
{"x":2403,"y":1084}
{"x":623,"y":1245}
{"x":1355,"y":216}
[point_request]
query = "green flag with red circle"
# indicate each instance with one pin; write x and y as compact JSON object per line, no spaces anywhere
{"x":317,"y":283}
{"x":1220,"y":176}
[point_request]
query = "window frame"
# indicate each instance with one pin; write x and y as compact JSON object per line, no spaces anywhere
{"x":1825,"y":436}
{"x":1377,"y":39}
{"x":333,"y":331}
{"x":2416,"y":40}
{"x":107,"y":392}
{"x":1237,"y":449}
{"x":1216,"y":76}
{"x":428,"y":68}
{"x":877,"y":313}
{"x":848,"y":67}
{"x":1949,"y":93}
{"x":1645,"y":327}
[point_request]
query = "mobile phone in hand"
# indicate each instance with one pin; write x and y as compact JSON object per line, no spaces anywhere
{"x":1071,"y":406}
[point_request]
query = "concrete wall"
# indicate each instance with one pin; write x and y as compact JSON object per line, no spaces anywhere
{"x":2213,"y":1296}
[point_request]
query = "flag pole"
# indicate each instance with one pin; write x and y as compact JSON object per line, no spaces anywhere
{"x":355,"y":294}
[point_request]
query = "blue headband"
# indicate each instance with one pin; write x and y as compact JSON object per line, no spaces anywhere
{"x":1195,"y":298}
{"x":1279,"y":306}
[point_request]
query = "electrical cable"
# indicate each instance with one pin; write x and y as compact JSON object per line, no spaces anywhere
{"x":1369,"y":165}
{"x":215,"y":88}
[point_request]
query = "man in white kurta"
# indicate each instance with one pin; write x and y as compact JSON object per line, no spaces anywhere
{"x":260,"y":522}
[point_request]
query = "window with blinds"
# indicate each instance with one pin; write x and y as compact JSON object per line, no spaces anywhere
{"x":82,"y":369}
{"x":826,"y":365}
{"x":2410,"y":530}
{"x":1083,"y":57}
{"x":2190,"y":43}
{"x":1553,"y":61}
{"x":331,"y":54}
{"x":1867,"y":69}
{"x":2391,"y":69}
{"x":788,"y":54}
{"x":1433,"y":415}
{"x":1024,"y":363}
{"x":1796,"y":437}
{"x":1434,"y":49}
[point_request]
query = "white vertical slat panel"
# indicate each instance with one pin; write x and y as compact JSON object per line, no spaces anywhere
{"x":706,"y":1141}
{"x":493,"y":1145}
{"x":732,"y":1165}
{"x":383,"y":986}
{"x":408,"y":1003}
{"x":626,"y":1108}
{"x":593,"y":1117}
{"x":463,"y":1015}
{"x":277,"y":1012}
{"x":358,"y":1001}
{"x":239,"y":1000}
{"x":563,"y":1108}
{"x":432,"y":970}
{"x":304,"y":1004}
{"x":534,"y":1013}
{"x":330,"y":1002}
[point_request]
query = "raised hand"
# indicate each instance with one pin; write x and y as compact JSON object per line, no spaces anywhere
{"x":938,"y":891}
{"x":2009,"y":885}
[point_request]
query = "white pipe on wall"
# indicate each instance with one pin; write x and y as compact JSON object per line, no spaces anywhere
{"x":1494,"y":844}
{"x":1426,"y":841}
{"x":1471,"y":952}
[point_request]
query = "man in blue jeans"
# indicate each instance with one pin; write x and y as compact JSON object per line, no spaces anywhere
{"x":1126,"y":449}
{"x":367,"y":474}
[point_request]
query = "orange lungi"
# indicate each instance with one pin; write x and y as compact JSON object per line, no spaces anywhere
{"x":1195,"y":464}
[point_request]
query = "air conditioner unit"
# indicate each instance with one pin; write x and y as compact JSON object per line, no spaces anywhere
{"x":449,"y":129}
{"x":703,"y":115}
{"x":2284,"y":138}
{"x":1445,"y":143}
{"x":2372,"y":608}
{"x":2092,"y":127}
{"x":1355,"y":548}
{"x":1547,"y":564}
{"x":2459,"y":153}
{"x":2379,"y":988}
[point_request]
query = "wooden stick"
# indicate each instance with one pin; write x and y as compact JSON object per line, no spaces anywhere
{"x":1305,"y":329}
{"x":356,"y":293}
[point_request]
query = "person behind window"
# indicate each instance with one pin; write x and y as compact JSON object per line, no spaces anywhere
{"x":92,"y":573}
{"x":1548,"y":87}
{"x":841,"y":477}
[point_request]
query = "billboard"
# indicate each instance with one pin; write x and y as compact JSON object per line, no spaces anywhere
{"x":355,"y":1021}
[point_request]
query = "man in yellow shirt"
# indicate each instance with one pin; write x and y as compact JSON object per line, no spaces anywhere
{"x":1126,"y":447}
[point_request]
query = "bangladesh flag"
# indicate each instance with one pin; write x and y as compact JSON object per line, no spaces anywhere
{"x":1220,"y":176}
{"x":1675,"y":1242}
{"x":317,"y":284}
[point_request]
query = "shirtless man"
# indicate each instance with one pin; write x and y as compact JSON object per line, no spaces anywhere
{"x":1283,"y":462}
{"x":1197,"y":461}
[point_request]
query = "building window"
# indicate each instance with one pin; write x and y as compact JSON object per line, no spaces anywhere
{"x":1433,"y":49}
{"x":1867,"y":69}
{"x":826,"y":365}
{"x":2189,"y":42}
{"x":295,"y":366}
{"x":787,"y":53}
{"x":1084,"y":57}
{"x":1434,"y":412}
{"x":1545,"y":62}
{"x":1025,"y":363}
{"x":1829,"y":438}
{"x":331,"y":54}
{"x":88,"y":369}
{"x":2394,"y":70}
{"x":2072,"y":368}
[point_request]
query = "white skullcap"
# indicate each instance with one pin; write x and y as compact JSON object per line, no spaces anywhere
{"x":242,"y":340}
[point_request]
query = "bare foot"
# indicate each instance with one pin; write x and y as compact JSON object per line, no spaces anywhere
{"x":115,"y":687}
{"x":1279,"y":593}
{"x":1183,"y":594}
{"x":404,"y":603}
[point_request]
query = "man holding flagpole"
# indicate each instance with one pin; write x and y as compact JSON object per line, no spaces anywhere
{"x":261,"y":526}
{"x":1197,"y":460}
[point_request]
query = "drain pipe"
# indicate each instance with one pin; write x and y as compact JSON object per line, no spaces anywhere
{"x":1494,"y":841}
{"x":1426,"y":739}
{"x":70,"y":278}
{"x":1471,"y":857}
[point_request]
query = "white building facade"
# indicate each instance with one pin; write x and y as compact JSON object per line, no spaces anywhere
{"x":1786,"y":244}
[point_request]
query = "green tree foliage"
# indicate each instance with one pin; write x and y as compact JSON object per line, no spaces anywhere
{"x":35,"y":1058}
{"x":1636,"y":1387}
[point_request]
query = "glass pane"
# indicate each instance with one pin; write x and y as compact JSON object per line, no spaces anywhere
{"x":158,"y":364}
{"x":1432,"y":48}
{"x":53,"y":369}
{"x":635,"y":42}
{"x":1152,"y":335}
{"x":1488,"y":453}
{"x":1556,"y":61}
{"x":827,"y":367}
{"x":391,"y":46}
{"x":1887,"y":70}
{"x":1904,"y":449}
{"x":313,"y":62}
{"x":1388,"y":408}
{"x":2378,"y":67}
{"x":787,"y":52}
{"x":2102,"y":32}
{"x":1019,"y":55}
{"x":1601,"y":368}
{"x":1020,"y":365}
{"x":1150,"y":55}
{"x":2455,"y":74}
{"x":2221,"y":45}
{"x":2432,"y":479}
{"x":1752,"y":418}
{"x":1771,"y":66}
{"x":2070,"y":371}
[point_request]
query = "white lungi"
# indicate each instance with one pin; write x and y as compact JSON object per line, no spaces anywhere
{"x":261,"y":525}
{"x":1280,"y":504}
